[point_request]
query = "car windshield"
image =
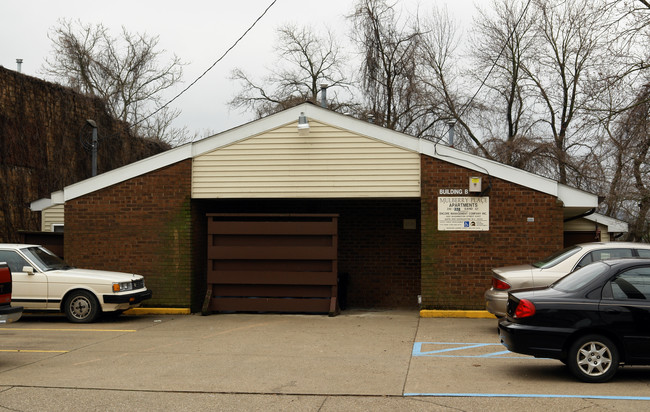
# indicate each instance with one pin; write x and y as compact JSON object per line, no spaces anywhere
{"x":580,"y":277}
{"x":558,"y":257}
{"x":44,"y":259}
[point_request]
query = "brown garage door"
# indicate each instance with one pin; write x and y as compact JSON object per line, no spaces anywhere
{"x":275,"y":263}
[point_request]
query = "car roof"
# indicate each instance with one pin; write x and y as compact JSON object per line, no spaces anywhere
{"x":625,"y":261}
{"x":16,"y":245}
{"x":614,"y":245}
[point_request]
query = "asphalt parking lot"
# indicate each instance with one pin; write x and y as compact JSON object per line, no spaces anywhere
{"x":359,"y":360}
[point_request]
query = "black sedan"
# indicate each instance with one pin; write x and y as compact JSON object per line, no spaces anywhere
{"x":592,"y":319}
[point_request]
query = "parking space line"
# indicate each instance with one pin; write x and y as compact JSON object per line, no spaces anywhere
{"x":70,"y":330}
{"x":529,"y":395}
{"x":33,"y":351}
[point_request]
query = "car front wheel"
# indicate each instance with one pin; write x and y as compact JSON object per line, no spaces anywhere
{"x":593,"y":358}
{"x":81,"y":307}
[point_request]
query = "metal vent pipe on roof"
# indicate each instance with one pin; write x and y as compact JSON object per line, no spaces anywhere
{"x":451,"y":133}
{"x":323,"y":95}
{"x":19,"y":63}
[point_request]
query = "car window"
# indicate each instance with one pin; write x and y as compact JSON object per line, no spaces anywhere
{"x":44,"y":259}
{"x":603,"y":254}
{"x":580,"y":277}
{"x":557,"y":257}
{"x":644,"y":253}
{"x":632,"y":284}
{"x":14,"y":260}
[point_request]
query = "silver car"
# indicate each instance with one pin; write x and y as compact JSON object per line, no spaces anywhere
{"x":547,"y":271}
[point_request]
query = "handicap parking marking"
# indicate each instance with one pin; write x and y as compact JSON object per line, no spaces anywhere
{"x":443,"y":349}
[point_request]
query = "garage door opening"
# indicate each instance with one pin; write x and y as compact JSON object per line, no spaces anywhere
{"x":272,"y":263}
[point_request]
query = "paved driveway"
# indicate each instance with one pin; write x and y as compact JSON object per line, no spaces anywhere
{"x":359,"y":360}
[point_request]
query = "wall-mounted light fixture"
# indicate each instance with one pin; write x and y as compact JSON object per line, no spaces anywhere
{"x":303,"y":124}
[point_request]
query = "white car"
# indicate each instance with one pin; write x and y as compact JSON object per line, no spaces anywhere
{"x":42,"y":281}
{"x":547,"y":271}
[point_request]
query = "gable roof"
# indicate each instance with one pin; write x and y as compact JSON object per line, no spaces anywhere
{"x":574,"y":200}
{"x":613,"y":225}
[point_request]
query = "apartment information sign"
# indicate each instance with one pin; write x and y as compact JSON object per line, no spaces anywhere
{"x":464,"y":213}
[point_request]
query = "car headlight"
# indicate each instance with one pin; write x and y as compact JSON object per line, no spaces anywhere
{"x":122,"y":286}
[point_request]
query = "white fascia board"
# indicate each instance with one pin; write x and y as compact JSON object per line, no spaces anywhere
{"x":41,"y":204}
{"x":127,"y":172}
{"x":571,"y":197}
{"x":58,"y":197}
{"x":489,"y":167}
{"x":613,"y":225}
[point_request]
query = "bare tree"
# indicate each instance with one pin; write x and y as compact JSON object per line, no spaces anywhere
{"x":389,"y":47}
{"x":574,"y":37}
{"x":501,"y":46}
{"x":127,"y":73}
{"x":438,"y":73}
{"x":307,"y":61}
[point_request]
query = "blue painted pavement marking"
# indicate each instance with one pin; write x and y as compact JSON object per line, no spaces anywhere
{"x":443,"y":353}
{"x":531,"y":395}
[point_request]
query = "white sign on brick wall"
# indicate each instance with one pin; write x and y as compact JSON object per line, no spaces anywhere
{"x":464,"y":213}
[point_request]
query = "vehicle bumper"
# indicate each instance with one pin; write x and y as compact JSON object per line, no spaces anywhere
{"x":538,"y":341}
{"x":495,"y":302}
{"x":131,"y":299}
{"x":10,"y":314}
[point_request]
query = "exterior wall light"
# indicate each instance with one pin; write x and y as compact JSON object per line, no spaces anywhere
{"x":303,"y":124}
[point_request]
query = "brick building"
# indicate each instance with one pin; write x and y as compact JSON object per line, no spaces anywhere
{"x":411,"y":218}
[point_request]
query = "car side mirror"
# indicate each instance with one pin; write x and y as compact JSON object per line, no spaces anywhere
{"x":28,"y":269}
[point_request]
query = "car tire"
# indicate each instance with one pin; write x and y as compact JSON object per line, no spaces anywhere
{"x":81,"y":307}
{"x":593,"y":358}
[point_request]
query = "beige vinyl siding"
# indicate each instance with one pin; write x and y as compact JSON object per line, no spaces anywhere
{"x":51,"y":215}
{"x":328,"y":162}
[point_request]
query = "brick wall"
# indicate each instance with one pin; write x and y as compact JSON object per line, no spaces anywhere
{"x":142,"y":225}
{"x":380,"y":256}
{"x":456,"y":265}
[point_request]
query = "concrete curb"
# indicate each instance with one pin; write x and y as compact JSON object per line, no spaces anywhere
{"x":476,"y":314}
{"x":158,"y":311}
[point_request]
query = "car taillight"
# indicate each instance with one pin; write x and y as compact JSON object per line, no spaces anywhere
{"x":499,"y":284}
{"x":525,"y":308}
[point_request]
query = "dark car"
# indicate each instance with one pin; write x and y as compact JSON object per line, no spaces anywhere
{"x":592,"y":319}
{"x":8,"y":313}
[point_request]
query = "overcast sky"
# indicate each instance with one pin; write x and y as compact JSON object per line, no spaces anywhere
{"x":198,"y":32}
